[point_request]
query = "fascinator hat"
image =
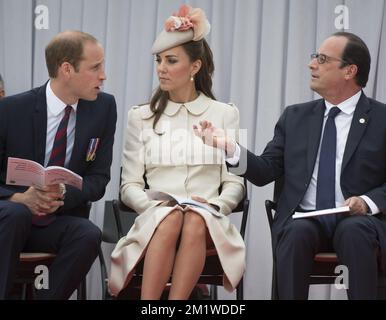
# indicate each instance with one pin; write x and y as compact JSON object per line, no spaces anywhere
{"x":186,"y":25}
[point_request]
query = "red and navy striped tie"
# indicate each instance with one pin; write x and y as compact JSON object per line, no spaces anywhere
{"x":57,"y":158}
{"x":58,"y":153}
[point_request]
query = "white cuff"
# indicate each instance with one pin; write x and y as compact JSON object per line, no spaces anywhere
{"x":373,"y":207}
{"x":236,"y":156}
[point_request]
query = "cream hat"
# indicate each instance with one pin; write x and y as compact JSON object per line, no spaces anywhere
{"x":186,"y":25}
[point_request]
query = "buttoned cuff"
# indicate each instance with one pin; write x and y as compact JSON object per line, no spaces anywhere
{"x":372,"y":206}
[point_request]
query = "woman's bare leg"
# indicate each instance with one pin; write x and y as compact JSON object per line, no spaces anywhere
{"x":190,"y":258}
{"x":160,"y":254}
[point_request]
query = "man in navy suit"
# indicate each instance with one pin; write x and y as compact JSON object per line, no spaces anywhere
{"x":29,"y":129}
{"x":314,"y":147}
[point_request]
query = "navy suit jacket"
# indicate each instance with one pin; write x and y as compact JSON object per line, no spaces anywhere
{"x":291,"y":155}
{"x":23,"y":130}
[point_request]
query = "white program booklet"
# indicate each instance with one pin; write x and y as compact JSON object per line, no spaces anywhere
{"x":23,"y":172}
{"x":159,"y":195}
{"x":316,"y":213}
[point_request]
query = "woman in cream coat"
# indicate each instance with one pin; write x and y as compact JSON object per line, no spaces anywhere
{"x":161,"y":146}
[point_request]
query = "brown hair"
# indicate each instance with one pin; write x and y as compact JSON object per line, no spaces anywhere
{"x":66,"y":47}
{"x":196,"y":50}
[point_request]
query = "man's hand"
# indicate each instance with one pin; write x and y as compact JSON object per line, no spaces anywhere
{"x":214,"y":137}
{"x":41,"y":201}
{"x":357,"y":205}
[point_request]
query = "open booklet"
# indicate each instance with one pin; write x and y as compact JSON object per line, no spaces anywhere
{"x":23,"y":172}
{"x":316,"y":213}
{"x":162,"y":196}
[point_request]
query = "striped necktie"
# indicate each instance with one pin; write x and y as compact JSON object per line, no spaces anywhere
{"x":58,"y":153}
{"x":57,"y":158}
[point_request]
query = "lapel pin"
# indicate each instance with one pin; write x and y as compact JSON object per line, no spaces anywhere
{"x":362,"y":120}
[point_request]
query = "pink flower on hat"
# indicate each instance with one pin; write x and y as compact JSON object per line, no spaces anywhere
{"x":188,"y":18}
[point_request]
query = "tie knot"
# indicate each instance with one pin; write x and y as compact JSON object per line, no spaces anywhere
{"x":333,"y":112}
{"x":67,"y":110}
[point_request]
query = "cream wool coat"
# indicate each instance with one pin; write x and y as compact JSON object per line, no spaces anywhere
{"x":175,"y":161}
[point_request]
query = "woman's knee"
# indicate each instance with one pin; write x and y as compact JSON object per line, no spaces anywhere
{"x":194,"y":226}
{"x":171,"y":224}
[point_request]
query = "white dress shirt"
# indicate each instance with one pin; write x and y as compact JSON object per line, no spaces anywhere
{"x":55,"y":113}
{"x":343,"y":122}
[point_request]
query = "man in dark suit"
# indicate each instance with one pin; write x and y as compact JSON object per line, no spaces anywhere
{"x":54,"y":218}
{"x":330,"y":152}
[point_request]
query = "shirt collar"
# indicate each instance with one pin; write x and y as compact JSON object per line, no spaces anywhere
{"x":195,"y":107}
{"x":347,"y":106}
{"x":54,"y":104}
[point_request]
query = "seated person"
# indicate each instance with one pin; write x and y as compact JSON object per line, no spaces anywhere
{"x":161,"y":146}
{"x":54,"y":125}
{"x":331,"y":153}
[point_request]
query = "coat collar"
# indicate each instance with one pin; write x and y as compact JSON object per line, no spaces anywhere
{"x":195,"y":107}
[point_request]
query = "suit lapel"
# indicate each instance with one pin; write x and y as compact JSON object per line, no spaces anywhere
{"x":80,"y":134}
{"x":315,"y":124}
{"x":358,"y":127}
{"x":40,"y":125}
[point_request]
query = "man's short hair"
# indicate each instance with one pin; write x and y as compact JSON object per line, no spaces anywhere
{"x":68,"y":47}
{"x":356,"y":52}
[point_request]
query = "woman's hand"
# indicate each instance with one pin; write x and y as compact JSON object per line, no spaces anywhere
{"x":203,"y":200}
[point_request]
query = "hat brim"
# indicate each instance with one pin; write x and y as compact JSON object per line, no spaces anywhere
{"x":167,"y":40}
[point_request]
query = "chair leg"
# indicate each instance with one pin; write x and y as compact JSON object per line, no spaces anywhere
{"x":24,"y":291}
{"x":274,"y":291}
{"x":213,"y":292}
{"x":105,"y":292}
{"x":240,"y":289}
{"x":33,"y":291}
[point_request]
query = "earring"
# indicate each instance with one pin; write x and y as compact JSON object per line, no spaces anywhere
{"x":191,"y":78}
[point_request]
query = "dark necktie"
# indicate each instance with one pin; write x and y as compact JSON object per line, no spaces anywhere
{"x":57,"y":158}
{"x":325,"y":187}
{"x":58,"y":153}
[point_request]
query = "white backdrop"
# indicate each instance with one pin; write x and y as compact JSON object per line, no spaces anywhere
{"x":261,"y":50}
